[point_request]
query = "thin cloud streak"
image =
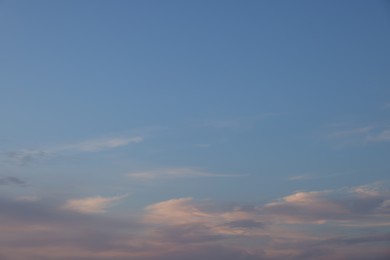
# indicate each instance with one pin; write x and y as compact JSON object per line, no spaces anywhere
{"x":355,"y":131}
{"x":166,"y":173}
{"x":307,"y":177}
{"x":236,"y":122}
{"x":100,"y":144}
{"x":95,"y":145}
{"x":365,"y":135}
{"x":383,"y":136}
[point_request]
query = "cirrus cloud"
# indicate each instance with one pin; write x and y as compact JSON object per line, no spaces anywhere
{"x":164,"y":173}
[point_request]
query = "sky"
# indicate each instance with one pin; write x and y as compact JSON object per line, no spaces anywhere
{"x":156,"y":130}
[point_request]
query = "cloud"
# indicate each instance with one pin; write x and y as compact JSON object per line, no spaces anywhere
{"x":177,"y":173}
{"x":245,"y":223}
{"x":25,"y":156}
{"x":382,"y":237}
{"x":236,"y":122}
{"x":30,"y":198}
{"x":96,"y":204}
{"x":95,"y":145}
{"x":383,"y":136}
{"x":305,"y":177}
{"x":366,"y":134}
{"x":178,"y":211}
{"x":187,"y":233}
{"x":316,"y":207}
{"x":351,"y":132}
{"x":11,"y":180}
{"x":101,"y":144}
{"x":301,"y":177}
{"x":210,"y":253}
{"x":40,"y":229}
{"x":189,"y":215}
{"x":292,"y":227}
{"x":315,"y":225}
{"x":323,"y":206}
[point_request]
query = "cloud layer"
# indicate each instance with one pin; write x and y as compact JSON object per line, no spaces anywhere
{"x":350,"y":223}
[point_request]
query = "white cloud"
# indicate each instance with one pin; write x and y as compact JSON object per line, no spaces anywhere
{"x":177,"y":173}
{"x":96,"y":204}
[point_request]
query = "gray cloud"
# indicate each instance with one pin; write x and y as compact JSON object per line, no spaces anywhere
{"x":245,"y":223}
{"x":188,"y":233}
{"x":11,"y":180}
{"x":211,"y":253}
{"x":381,"y":237}
{"x":39,"y":225}
{"x":26,"y":156}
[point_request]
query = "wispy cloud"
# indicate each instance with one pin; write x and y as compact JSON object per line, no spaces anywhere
{"x":306,"y":177}
{"x":24,"y":156}
{"x":351,"y":132}
{"x":177,"y":173}
{"x":97,"y":145}
{"x":366,"y":134}
{"x":382,"y":136}
{"x":237,"y":121}
{"x":11,"y":180}
{"x":94,"y":145}
{"x":301,"y":177}
{"x":96,"y":204}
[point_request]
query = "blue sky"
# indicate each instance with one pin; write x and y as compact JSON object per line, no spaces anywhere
{"x":195,"y":129}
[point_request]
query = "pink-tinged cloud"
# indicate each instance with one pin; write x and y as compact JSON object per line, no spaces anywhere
{"x":322,"y":206}
{"x":96,"y":204}
{"x":344,"y":224}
